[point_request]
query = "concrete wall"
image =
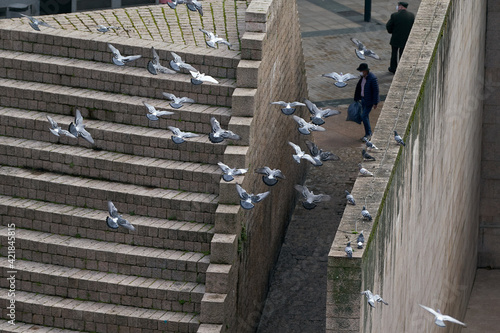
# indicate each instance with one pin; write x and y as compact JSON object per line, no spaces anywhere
{"x":246,"y":243}
{"x":422,"y":245}
{"x":489,"y":229}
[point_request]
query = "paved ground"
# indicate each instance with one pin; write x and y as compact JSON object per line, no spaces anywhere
{"x":483,"y":310}
{"x":297,"y":296}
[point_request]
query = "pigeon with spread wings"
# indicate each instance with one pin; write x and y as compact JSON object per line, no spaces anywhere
{"x":77,"y":128}
{"x":311,"y":199}
{"x":318,"y":114}
{"x":362,"y":52}
{"x":340,"y":79}
{"x":120,"y":60}
{"x":154,"y":66}
{"x":218,"y":134}
{"x":247,"y":200}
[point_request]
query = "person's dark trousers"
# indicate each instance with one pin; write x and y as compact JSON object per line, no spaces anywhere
{"x":394,"y":57}
{"x":365,"y":118}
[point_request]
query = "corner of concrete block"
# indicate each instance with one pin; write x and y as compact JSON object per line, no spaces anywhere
{"x":224,"y":248}
{"x":243,"y":102}
{"x":237,"y":156}
{"x":242,"y":127}
{"x":247,"y":74}
{"x":252,"y":40}
{"x":213,"y":308}
{"x":227,"y":219}
{"x":219,"y":277}
{"x":257,"y":11}
{"x":209,"y":328}
{"x":227,"y":191}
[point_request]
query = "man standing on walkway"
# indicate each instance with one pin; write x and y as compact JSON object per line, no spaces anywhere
{"x":399,"y":26}
{"x":367,"y":92}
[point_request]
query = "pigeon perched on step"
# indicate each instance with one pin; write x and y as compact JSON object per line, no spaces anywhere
{"x":305,"y":127}
{"x":177,"y":64}
{"x":230,"y":172}
{"x":288,"y":108}
{"x":360,"y":240}
{"x":154,"y":114}
{"x":300,"y":154}
{"x":177,"y":102}
{"x":318,"y":114}
{"x":364,"y":172}
{"x":367,"y":156}
{"x":115,"y":220}
{"x":369,"y":144}
{"x":311,"y":199}
{"x":199,"y":78}
{"x":348,"y":250}
{"x":178,"y":135}
{"x":399,"y":139}
{"x":77,"y":128}
{"x":247,"y":200}
{"x":350,"y":198}
{"x":319,"y":155}
{"x":194,"y":5}
{"x":366,"y":214}
{"x":214,"y":39}
{"x":440,"y":318}
{"x":36,"y":23}
{"x":218,"y":134}
{"x":120,"y":60}
{"x":154,"y":66}
{"x":340,"y":79}
{"x":57,"y":130}
{"x":103,"y":28}
{"x":362,"y":52}
{"x":373,"y":298}
{"x":271,"y":176}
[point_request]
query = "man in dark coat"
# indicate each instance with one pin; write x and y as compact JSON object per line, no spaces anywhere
{"x":399,"y":26}
{"x":368,"y":93}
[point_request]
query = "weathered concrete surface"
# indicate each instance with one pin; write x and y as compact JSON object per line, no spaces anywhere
{"x":425,"y":196}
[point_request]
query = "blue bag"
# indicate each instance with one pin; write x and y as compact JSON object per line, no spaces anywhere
{"x":354,"y":112}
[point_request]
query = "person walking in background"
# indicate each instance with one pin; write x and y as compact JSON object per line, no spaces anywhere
{"x":399,"y":26}
{"x":368,"y":93}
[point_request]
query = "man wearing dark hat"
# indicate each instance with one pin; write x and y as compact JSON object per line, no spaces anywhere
{"x":399,"y":26}
{"x":367,"y":92}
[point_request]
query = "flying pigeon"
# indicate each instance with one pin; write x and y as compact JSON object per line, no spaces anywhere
{"x":248,"y":200}
{"x":218,"y":134}
{"x":363,"y":171}
{"x":199,"y":78}
{"x":120,"y":60}
{"x":350,"y":198}
{"x":214,"y":39}
{"x":230,"y":172}
{"x":311,"y":199}
{"x":319,"y":155}
{"x":440,"y":318}
{"x":154,"y":114}
{"x":194,"y":5}
{"x":360,"y":240}
{"x":173,"y":3}
{"x":116,"y":219}
{"x":348,"y":250}
{"x":103,"y":28}
{"x":340,"y":79}
{"x":77,"y":128}
{"x":177,"y":64}
{"x":177,"y":101}
{"x":35,"y":23}
{"x":318,"y":114}
{"x":288,"y":108}
{"x":369,"y":144}
{"x":271,"y":176}
{"x":178,"y":135}
{"x":57,"y":130}
{"x":362,"y":52}
{"x":305,"y":127}
{"x":300,"y":154}
{"x":154,"y":66}
{"x":398,"y":139}
{"x":366,"y":214}
{"x":367,"y":156}
{"x":373,"y":298}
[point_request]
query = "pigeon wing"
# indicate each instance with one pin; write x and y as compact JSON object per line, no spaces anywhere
{"x":164,"y":113}
{"x":312,"y":107}
{"x":349,"y":76}
{"x":86,"y":135}
{"x":151,"y":109}
{"x":297,"y":104}
{"x":186,"y":100}
{"x":131,"y":58}
{"x":113,"y":212}
{"x":264,"y":171}
{"x":313,"y":148}
{"x":52,"y":122}
{"x":189,"y":135}
{"x":115,"y":51}
{"x":333,"y":75}
{"x":453,"y":320}
{"x":175,"y":130}
{"x":224,"y":167}
{"x":156,"y":57}
{"x":259,"y":197}
{"x":329,"y":112}
{"x":284,"y":104}
{"x":169,"y":96}
{"x":299,"y":121}
{"x":430,"y":310}
{"x":215,"y":125}
{"x":242,"y":193}
{"x":208,"y":78}
{"x":230,"y":135}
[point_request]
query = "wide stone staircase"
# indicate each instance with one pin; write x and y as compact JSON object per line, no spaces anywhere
{"x":73,"y":273}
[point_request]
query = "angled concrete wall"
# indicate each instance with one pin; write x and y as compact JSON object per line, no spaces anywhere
{"x":422,"y":245}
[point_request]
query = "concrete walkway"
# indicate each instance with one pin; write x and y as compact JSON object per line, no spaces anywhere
{"x":483,"y":311}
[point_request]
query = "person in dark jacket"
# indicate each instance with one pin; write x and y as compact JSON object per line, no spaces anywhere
{"x":368,"y":93}
{"x":399,"y":26}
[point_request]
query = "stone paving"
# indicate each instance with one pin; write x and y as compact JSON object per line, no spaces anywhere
{"x":297,"y":296}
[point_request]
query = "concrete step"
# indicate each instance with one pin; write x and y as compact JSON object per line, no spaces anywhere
{"x":133,"y":140}
{"x":80,"y":45}
{"x":79,"y":161}
{"x":88,"y":316}
{"x":91,"y":193}
{"x":106,"y":77}
{"x":89,"y":223}
{"x":120,"y":289}
{"x":20,"y":327}
{"x":101,"y":105}
{"x":107,"y":257}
